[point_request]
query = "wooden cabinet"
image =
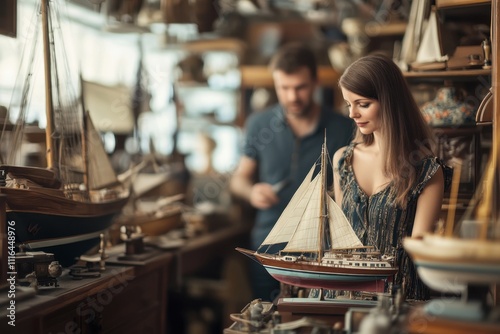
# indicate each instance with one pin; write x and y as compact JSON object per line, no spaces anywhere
{"x":126,"y":298}
{"x":82,"y":306}
{"x":123,"y":300}
{"x":138,"y":308}
{"x":466,"y":145}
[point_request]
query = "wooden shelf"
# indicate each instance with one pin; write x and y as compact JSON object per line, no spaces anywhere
{"x":260,"y":76}
{"x":457,"y":131}
{"x":192,"y":85}
{"x":460,"y":3}
{"x":216,"y":44}
{"x":447,"y":74}
{"x":384,"y":30}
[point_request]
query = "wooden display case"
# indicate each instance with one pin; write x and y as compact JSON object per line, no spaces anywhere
{"x":464,"y":143}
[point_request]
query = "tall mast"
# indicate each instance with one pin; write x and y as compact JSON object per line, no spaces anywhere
{"x":85,"y":148}
{"x":323,"y":215}
{"x":48,"y":86}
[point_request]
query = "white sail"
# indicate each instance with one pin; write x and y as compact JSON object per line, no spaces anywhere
{"x":100,"y":171}
{"x":299,"y":224}
{"x":430,"y":47}
{"x":341,"y":232}
{"x":287,"y":223}
{"x":306,"y":236}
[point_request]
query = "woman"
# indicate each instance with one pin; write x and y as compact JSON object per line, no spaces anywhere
{"x":388,"y":181}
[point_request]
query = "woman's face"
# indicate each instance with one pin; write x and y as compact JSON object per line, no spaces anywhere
{"x":364,"y":111}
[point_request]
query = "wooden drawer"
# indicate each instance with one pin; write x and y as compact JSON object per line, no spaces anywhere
{"x":24,"y":326}
{"x":147,"y":322}
{"x":141,"y":296}
{"x":65,"y":320}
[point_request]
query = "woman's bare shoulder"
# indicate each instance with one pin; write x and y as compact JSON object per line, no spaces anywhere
{"x":338,"y":154}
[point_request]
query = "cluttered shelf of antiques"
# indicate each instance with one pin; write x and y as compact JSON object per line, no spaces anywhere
{"x":451,"y":75}
{"x":450,"y":100}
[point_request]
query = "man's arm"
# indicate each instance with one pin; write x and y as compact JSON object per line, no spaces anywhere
{"x":243,"y":178}
{"x":242,"y":184}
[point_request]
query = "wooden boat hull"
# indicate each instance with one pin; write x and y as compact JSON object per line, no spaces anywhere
{"x":45,"y":221}
{"x":449,"y":264}
{"x":313,"y":275}
{"x":48,"y":201}
{"x":153,"y":225}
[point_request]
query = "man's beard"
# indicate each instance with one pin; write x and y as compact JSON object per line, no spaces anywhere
{"x":303,"y":110}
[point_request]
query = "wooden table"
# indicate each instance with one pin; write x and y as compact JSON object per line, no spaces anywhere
{"x":125,"y":298}
{"x":330,"y":311}
{"x":204,"y":259}
{"x":199,"y":251}
{"x":75,"y":304}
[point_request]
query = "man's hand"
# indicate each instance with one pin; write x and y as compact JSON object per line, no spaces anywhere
{"x":262,"y":196}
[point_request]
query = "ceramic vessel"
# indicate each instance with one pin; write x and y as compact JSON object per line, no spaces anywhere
{"x":449,"y":109}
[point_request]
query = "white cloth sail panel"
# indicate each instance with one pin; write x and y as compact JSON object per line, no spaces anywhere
{"x":101,"y":173}
{"x":430,"y":48}
{"x":342,"y":234}
{"x":288,"y":221}
{"x":307,"y":234}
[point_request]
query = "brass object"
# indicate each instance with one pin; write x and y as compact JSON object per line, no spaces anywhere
{"x":487,"y":54}
{"x":134,"y":242}
{"x":37,"y":269}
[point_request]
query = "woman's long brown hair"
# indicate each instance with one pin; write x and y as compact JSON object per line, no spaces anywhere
{"x":407,"y":137}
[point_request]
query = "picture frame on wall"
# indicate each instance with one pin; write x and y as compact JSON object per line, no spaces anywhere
{"x":462,"y":147}
{"x":8,"y":18}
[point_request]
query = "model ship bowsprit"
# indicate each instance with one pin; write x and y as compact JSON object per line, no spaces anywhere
{"x":319,"y":247}
{"x":61,"y":209}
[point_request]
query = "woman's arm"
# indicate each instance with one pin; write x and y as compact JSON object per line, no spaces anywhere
{"x":429,"y":205}
{"x":338,"y":194}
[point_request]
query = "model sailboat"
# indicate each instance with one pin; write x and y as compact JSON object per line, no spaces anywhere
{"x":452,"y":262}
{"x":319,"y":248}
{"x":61,"y":209}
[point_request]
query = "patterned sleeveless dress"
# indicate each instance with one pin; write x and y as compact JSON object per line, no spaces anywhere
{"x":379,"y":222}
